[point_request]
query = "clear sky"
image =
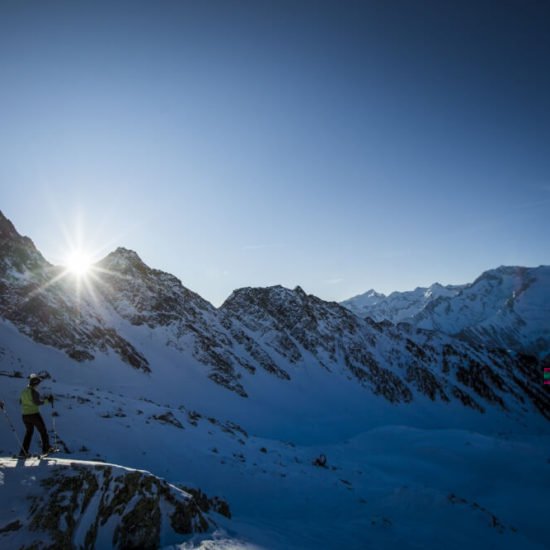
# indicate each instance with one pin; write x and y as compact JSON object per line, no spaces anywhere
{"x":341,"y":146}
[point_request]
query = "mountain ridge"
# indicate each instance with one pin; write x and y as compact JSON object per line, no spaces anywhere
{"x":272,"y":329}
{"x":505,"y":307}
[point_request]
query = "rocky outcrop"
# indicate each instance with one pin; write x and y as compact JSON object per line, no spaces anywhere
{"x":73,"y":504}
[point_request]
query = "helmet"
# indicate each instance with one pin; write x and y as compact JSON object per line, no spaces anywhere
{"x":34,"y":380}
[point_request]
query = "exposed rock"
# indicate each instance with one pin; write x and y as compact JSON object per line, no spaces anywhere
{"x":168,"y":418}
{"x":76,"y":504}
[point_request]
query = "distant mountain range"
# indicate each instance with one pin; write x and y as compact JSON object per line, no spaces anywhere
{"x":283,"y":332}
{"x":397,"y":306}
{"x":507,"y":307}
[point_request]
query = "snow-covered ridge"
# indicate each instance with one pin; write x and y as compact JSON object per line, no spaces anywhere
{"x":398,"y":306}
{"x":504,"y":307}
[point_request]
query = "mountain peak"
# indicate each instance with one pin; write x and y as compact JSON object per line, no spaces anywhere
{"x":123,"y":259}
{"x":506,"y":305}
{"x":7,"y":229}
{"x":373,"y":293}
{"x":365,"y":300}
{"x":300,"y":291}
{"x":268,"y":297}
{"x":16,"y":251}
{"x":126,"y":253}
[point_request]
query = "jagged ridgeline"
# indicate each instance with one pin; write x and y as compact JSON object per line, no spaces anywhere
{"x":275,"y":332}
{"x":506,"y":307}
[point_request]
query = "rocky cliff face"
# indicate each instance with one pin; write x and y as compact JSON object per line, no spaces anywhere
{"x":276,"y":330}
{"x":302,"y":331}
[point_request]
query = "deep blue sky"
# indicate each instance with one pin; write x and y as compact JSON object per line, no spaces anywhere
{"x":339,"y":146}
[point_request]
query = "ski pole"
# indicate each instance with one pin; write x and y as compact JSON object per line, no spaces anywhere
{"x":3,"y":407}
{"x":53,"y":424}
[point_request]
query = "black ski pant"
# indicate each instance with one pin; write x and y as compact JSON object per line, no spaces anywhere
{"x":33,"y":421}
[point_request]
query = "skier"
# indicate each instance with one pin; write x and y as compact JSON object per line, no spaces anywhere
{"x":30,"y":401}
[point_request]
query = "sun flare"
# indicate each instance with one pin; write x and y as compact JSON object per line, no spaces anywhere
{"x":78,"y":263}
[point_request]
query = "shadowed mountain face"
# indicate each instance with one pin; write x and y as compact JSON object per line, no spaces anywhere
{"x":276,"y":331}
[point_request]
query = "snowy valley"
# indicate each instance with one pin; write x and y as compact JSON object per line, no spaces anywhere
{"x":429,"y":407}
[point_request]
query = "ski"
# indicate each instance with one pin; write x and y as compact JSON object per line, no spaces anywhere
{"x":50,"y":452}
{"x":36,"y":455}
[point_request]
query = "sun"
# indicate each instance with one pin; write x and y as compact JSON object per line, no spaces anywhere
{"x":78,"y":263}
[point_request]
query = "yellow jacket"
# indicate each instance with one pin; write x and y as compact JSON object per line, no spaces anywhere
{"x":30,"y":400}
